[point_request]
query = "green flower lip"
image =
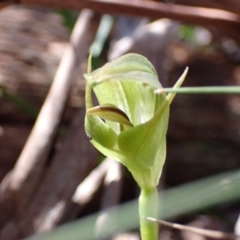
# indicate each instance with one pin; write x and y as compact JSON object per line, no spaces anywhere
{"x":110,"y":112}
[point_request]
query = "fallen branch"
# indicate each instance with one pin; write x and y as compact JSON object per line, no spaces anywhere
{"x":18,"y":188}
{"x":194,"y":15}
{"x":228,"y":5}
{"x":204,"y":232}
{"x":87,"y":189}
{"x":111,"y":197}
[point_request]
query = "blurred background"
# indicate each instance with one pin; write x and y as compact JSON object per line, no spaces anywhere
{"x":49,"y":172}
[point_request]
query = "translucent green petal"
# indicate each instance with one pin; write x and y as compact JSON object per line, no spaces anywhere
{"x":135,"y":99}
{"x":127,"y":82}
{"x":145,"y":145}
{"x":99,"y":131}
{"x":141,"y":77}
{"x":125,"y":64}
{"x":111,"y":153}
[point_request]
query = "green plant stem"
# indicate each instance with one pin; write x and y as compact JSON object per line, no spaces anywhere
{"x":148,"y":207}
{"x":202,"y":90}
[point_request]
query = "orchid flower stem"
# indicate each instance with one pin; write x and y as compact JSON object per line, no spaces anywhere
{"x":148,"y":207}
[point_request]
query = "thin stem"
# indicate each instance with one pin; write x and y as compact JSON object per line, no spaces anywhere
{"x":201,"y":90}
{"x":148,"y":207}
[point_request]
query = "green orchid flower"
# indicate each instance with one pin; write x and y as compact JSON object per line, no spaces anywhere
{"x":130,"y":123}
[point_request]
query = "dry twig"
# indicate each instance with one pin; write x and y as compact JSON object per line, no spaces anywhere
{"x":220,"y":19}
{"x":203,"y":232}
{"x":26,"y":175}
{"x":111,"y":196}
{"x":87,"y":189}
{"x":229,"y":5}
